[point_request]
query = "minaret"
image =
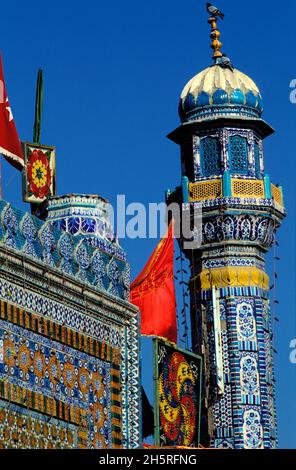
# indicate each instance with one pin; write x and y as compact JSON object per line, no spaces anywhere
{"x":221,"y":138}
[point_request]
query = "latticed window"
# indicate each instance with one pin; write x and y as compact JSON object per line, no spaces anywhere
{"x":238,"y":153}
{"x":210,"y":156}
{"x":257,"y":160}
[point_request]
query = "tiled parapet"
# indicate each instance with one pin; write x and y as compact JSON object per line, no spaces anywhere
{"x":102,"y":265}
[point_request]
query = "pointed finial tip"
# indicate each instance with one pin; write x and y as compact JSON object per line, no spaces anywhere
{"x":219,"y":59}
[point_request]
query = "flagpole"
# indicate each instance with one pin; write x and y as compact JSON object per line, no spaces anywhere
{"x":38,"y":119}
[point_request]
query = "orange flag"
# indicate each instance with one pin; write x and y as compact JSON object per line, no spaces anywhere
{"x":154,"y":292}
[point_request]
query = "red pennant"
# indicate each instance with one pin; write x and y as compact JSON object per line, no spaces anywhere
{"x":10,"y":145}
{"x":154,"y":292}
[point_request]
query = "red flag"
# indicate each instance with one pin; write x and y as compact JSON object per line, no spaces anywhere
{"x":154,"y":292}
{"x":10,"y":145}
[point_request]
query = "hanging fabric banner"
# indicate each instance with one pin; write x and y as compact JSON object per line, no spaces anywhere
{"x":154,"y":292}
{"x":218,"y":341}
{"x":177,"y":395}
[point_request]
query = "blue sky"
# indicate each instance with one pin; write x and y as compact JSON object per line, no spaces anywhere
{"x":113,"y":75}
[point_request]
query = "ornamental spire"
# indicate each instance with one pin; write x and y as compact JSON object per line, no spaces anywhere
{"x":216,"y":45}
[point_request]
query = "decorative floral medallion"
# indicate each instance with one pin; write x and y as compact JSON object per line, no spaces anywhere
{"x":47,"y":242}
{"x":39,"y":174}
{"x":83,"y":259}
{"x":249,"y":375}
{"x":114,"y":276}
{"x":252,"y":430}
{"x":10,"y":224}
{"x":126,"y":281}
{"x":246,"y":324}
{"x":98,"y":269}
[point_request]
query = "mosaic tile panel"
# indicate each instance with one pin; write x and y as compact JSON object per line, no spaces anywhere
{"x":243,"y":416}
{"x":71,"y":255}
{"x":65,"y":328}
{"x":24,"y":429}
{"x":60,"y":313}
{"x":252,"y":429}
{"x":77,"y":310}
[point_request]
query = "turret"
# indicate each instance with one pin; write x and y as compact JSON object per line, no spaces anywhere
{"x":221,"y":140}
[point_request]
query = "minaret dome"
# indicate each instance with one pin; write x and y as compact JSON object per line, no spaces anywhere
{"x":217,"y":92}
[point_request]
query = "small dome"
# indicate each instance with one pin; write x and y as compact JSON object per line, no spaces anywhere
{"x":219,"y":92}
{"x":81,"y":215}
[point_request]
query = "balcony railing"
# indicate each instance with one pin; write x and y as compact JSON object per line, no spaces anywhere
{"x":233,"y":187}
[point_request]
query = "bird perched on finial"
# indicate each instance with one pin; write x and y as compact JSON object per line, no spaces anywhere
{"x":214,"y":11}
{"x":225,"y":62}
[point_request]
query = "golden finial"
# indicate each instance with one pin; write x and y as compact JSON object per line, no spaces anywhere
{"x":215,"y":34}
